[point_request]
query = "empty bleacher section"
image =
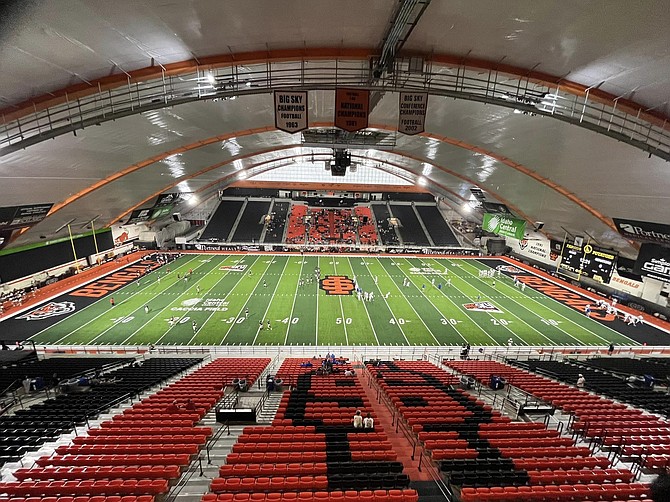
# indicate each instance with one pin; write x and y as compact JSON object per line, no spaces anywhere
{"x":251,"y":222}
{"x":410,"y":229}
{"x":312,"y":452}
{"x":141,"y":451}
{"x":27,"y":429}
{"x":367,"y":232}
{"x":436,"y":225}
{"x":387,"y":232}
{"x":331,"y":226}
{"x":46,"y":373}
{"x":602,"y":383}
{"x":295,"y":234}
{"x":222,"y":221}
{"x":487,"y":456}
{"x":274,"y":233}
{"x":658,"y":369}
{"x":630,"y":433}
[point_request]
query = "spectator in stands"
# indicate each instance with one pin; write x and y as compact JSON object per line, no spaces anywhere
{"x":349,"y":372}
{"x":581,"y":381}
{"x":4,"y":346}
{"x":173,"y":407}
{"x":190,"y":405}
{"x":610,"y":350}
{"x":26,"y":384}
{"x":369,"y":422}
{"x":358,"y":420}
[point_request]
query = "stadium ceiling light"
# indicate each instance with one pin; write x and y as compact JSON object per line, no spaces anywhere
{"x":467,"y":207}
{"x":243,"y":175}
{"x":193,"y":200}
{"x":211,"y":79}
{"x":422,"y":181}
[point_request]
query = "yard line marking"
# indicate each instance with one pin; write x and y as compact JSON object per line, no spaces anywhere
{"x":239,"y":279}
{"x":344,"y":319}
{"x":106,"y":311}
{"x":295,"y":295}
{"x":495,"y":342}
{"x":374,"y":331}
{"x":267,"y":309}
{"x":481,"y":280}
{"x":260,"y":277}
{"x":551,"y":342}
{"x":578,"y":292}
{"x":169,"y":305}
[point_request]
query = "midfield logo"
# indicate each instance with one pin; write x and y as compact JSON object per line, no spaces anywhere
{"x":482,"y":307}
{"x":51,"y":309}
{"x":337,"y":285}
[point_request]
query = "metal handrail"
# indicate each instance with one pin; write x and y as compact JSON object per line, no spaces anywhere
{"x":459,"y":82}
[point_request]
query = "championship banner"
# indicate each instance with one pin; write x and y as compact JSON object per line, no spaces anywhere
{"x":653,"y":261}
{"x":501,"y":224}
{"x":291,"y":111}
{"x":643,"y":231}
{"x":412,"y":112}
{"x":139,"y":215}
{"x":14,"y":217}
{"x":351,"y":109}
{"x":165,"y":199}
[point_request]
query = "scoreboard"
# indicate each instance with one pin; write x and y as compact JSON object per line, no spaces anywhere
{"x":588,"y":261}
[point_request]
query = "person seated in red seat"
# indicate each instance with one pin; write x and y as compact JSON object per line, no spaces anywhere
{"x":173,"y":408}
{"x":190,"y":405}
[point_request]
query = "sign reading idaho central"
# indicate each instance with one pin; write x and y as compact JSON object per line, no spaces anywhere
{"x":351,"y":109}
{"x":291,"y":111}
{"x":412,"y":114}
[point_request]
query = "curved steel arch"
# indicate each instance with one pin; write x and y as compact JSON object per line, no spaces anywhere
{"x":227,"y":177}
{"x":624,"y":121}
{"x":444,"y":139}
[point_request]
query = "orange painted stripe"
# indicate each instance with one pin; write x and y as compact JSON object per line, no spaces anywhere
{"x":327,"y":53}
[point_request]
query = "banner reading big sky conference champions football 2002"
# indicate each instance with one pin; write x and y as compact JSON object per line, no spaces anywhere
{"x":501,"y":224}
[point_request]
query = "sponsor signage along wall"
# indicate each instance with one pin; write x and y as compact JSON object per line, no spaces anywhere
{"x":588,"y":261}
{"x":291,"y":111}
{"x":653,"y":261}
{"x":351,"y":109}
{"x":412,"y":112}
{"x":139,"y":215}
{"x":14,"y":217}
{"x":501,"y":224}
{"x":161,"y":212}
{"x":643,"y":231}
{"x":166,"y":199}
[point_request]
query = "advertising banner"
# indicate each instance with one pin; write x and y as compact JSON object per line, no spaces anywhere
{"x":538,"y":249}
{"x":412,"y":112}
{"x":653,"y":261}
{"x":166,"y":199}
{"x":139,"y":215}
{"x":14,"y":217}
{"x":161,"y":212}
{"x":507,"y":226}
{"x":643,"y":231}
{"x":291,"y":111}
{"x":351,"y":109}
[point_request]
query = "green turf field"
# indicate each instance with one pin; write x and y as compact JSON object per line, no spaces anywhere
{"x":215,"y":298}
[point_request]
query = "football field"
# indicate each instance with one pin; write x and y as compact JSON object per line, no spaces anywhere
{"x":416,"y":301}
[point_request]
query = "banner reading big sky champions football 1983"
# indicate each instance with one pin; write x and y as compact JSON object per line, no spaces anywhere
{"x":501,"y":224}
